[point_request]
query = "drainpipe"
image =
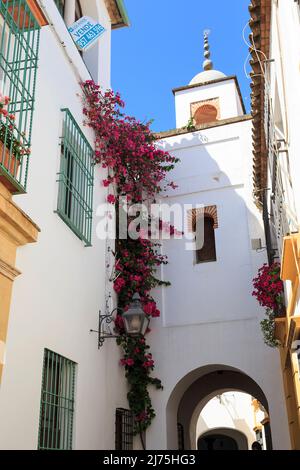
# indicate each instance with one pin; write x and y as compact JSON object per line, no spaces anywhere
{"x":64,"y":46}
{"x":69,"y":13}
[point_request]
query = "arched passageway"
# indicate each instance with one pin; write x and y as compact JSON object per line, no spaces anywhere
{"x":195,"y":390}
{"x":222,"y":439}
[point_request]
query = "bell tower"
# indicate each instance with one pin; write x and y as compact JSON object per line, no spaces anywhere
{"x":210,"y":96}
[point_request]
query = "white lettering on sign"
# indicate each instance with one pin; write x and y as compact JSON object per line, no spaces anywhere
{"x":85,"y":32}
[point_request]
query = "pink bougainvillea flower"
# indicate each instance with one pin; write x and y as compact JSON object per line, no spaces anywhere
{"x":119,"y":322}
{"x":127,"y":147}
{"x":111,"y":199}
{"x":149,"y":363}
{"x":119,"y":284}
{"x":268,"y":288}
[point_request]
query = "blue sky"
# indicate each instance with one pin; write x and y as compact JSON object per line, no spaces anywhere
{"x":163,"y":49}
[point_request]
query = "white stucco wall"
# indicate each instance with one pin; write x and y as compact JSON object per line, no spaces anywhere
{"x":226,"y":91}
{"x":57,"y":298}
{"x":212,"y":174}
{"x":208,"y":316}
{"x":231,"y":410}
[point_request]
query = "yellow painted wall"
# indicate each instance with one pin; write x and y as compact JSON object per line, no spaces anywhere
{"x":16,"y":229}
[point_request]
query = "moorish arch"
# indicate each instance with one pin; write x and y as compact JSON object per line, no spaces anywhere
{"x":222,"y":439}
{"x":205,"y":114}
{"x":196,"y":389}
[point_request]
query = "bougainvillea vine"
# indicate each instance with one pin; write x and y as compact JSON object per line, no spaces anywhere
{"x":269,"y":292}
{"x":136,"y":171}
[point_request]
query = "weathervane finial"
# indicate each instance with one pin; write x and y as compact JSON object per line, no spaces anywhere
{"x":207,"y":64}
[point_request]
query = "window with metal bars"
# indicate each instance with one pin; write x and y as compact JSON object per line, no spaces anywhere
{"x":19,"y":46}
{"x":76,"y":180}
{"x":124,"y":429}
{"x":60,"y":6}
{"x":57,"y":403}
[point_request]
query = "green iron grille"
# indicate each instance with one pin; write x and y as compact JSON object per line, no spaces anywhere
{"x":76,"y":180}
{"x":57,"y":403}
{"x":124,"y":429}
{"x":60,"y":6}
{"x":19,"y":45}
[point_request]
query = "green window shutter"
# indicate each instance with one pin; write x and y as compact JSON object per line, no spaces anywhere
{"x":76,"y":180}
{"x":57,"y":403}
{"x":19,"y":45}
{"x":60,"y":6}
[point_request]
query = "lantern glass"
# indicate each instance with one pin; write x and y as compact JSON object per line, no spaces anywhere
{"x":135,"y":320}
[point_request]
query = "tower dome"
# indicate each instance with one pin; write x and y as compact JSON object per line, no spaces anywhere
{"x":208,"y":73}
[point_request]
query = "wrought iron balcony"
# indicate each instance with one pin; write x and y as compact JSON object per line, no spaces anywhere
{"x":19,"y":44}
{"x":281,"y":207}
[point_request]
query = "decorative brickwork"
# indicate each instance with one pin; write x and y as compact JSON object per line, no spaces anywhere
{"x":193,"y":214}
{"x":205,"y":111}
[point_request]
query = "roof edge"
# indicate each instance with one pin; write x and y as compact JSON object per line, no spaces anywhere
{"x":183,"y":130}
{"x":117,"y":13}
{"x":123,"y":13}
{"x":211,"y":82}
{"x":260,"y":24}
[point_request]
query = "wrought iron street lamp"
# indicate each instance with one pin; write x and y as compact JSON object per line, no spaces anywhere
{"x":135,"y":320}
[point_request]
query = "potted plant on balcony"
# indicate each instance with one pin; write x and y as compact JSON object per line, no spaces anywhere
{"x":12,"y":149}
{"x":269,"y":291}
{"x":20,"y":13}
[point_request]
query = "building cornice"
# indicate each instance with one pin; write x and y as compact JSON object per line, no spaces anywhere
{"x":14,"y":223}
{"x":201,"y":127}
{"x":117,"y":12}
{"x":8,"y":270}
{"x":260,"y":24}
{"x":212,"y":82}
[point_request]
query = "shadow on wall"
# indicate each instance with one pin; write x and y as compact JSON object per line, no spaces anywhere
{"x":212,"y":173}
{"x":213,"y":170}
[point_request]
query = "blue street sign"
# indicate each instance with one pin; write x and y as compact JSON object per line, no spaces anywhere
{"x":85,"y":32}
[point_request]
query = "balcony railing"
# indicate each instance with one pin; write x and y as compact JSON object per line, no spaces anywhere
{"x":283,"y":218}
{"x":19,"y":44}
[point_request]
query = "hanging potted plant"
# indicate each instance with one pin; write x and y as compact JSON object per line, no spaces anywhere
{"x":269,"y":291}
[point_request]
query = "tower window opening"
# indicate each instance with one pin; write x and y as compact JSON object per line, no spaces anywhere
{"x":208,"y":252}
{"x":205,"y":114}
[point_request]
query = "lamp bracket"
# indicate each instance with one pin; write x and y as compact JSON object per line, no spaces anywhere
{"x":105,"y":330}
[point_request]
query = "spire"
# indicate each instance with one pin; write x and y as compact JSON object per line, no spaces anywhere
{"x":207,"y":64}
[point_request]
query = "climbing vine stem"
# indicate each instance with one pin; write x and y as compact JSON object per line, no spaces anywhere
{"x":136,"y":172}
